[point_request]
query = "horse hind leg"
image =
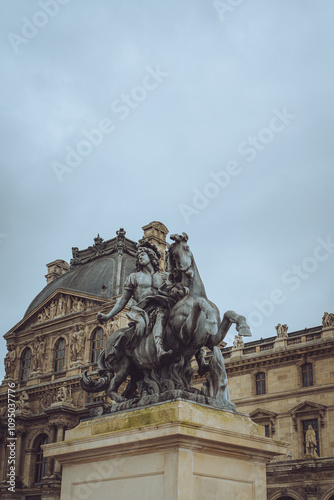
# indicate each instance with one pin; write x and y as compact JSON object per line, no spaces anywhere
{"x":203,"y":366}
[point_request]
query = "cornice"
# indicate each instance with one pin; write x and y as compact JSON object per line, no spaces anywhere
{"x":278,"y":357}
{"x":304,"y":392}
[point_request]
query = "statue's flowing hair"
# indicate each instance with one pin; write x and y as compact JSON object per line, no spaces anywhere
{"x":153,"y":253}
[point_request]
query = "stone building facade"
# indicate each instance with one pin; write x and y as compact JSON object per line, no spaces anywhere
{"x":284,"y":382}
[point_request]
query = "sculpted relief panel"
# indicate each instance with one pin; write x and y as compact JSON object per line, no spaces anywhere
{"x":63,"y":305}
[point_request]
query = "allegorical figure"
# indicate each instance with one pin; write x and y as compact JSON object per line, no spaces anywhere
{"x":145,"y":288}
{"x":38,"y":354}
{"x":77,"y":344}
{"x":281,"y":331}
{"x":22,"y":404}
{"x":311,"y":442}
{"x":328,"y":319}
{"x":238,"y":342}
{"x":53,"y":309}
{"x":10,"y":361}
{"x":64,"y":394}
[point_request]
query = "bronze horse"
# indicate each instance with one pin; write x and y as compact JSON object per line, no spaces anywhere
{"x":193,"y":322}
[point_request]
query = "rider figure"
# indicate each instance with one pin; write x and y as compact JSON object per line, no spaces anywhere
{"x":144,"y":287}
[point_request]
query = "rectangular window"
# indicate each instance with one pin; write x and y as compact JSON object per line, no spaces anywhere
{"x":267,"y":431}
{"x":260,"y":380}
{"x":307,"y":374}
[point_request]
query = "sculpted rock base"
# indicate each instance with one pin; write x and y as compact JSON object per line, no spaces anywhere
{"x":168,"y":396}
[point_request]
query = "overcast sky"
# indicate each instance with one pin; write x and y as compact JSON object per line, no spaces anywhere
{"x":215,"y":118}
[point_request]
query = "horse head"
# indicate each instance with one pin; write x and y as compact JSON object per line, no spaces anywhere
{"x":181,"y":259}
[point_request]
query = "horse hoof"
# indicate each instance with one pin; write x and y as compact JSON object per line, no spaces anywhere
{"x":244,"y":331}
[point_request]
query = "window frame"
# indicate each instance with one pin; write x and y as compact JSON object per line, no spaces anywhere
{"x":25,"y":365}
{"x":260,"y":384}
{"x":307,"y":375}
{"x":95,"y":351}
{"x":41,"y":462}
{"x":59,"y":361}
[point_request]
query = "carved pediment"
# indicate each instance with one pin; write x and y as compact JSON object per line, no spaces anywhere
{"x":264,"y":417}
{"x":59,"y":304}
{"x":307,"y":408}
{"x":262,"y":414}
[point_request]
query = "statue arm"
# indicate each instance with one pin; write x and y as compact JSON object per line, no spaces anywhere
{"x":118,"y":307}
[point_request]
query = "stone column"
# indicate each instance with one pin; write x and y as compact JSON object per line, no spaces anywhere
{"x":28,"y":472}
{"x":60,"y":437}
{"x":19,"y":434}
{"x":52,"y":433}
{"x":2,"y":459}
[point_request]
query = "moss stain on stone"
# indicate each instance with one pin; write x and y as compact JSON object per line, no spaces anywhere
{"x":186,"y":414}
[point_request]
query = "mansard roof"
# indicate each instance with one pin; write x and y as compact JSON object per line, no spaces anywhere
{"x":98,"y":270}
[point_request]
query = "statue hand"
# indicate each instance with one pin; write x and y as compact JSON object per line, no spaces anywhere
{"x":101,"y":318}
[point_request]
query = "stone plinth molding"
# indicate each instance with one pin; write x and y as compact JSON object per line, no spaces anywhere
{"x":170,"y":451}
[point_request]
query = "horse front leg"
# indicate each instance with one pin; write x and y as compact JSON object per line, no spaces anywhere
{"x":240,"y":322}
{"x":122,"y":369}
{"x":229,"y":318}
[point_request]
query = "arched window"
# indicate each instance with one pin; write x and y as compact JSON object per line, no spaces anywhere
{"x":260,"y":381}
{"x":25,"y":364}
{"x":41,"y":462}
{"x":97,"y":344}
{"x":60,"y":355}
{"x":307,"y":374}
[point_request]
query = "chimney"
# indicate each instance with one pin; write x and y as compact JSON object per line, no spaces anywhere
{"x":156,"y":232}
{"x":55,"y":269}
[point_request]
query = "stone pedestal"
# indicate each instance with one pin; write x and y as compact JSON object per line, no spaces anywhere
{"x":170,"y":451}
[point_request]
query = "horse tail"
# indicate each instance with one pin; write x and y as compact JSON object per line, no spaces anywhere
{"x":102,"y":383}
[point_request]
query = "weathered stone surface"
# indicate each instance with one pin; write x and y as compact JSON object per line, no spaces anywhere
{"x":170,"y":451}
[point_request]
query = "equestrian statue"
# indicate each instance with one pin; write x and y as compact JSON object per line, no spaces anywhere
{"x":171,"y":321}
